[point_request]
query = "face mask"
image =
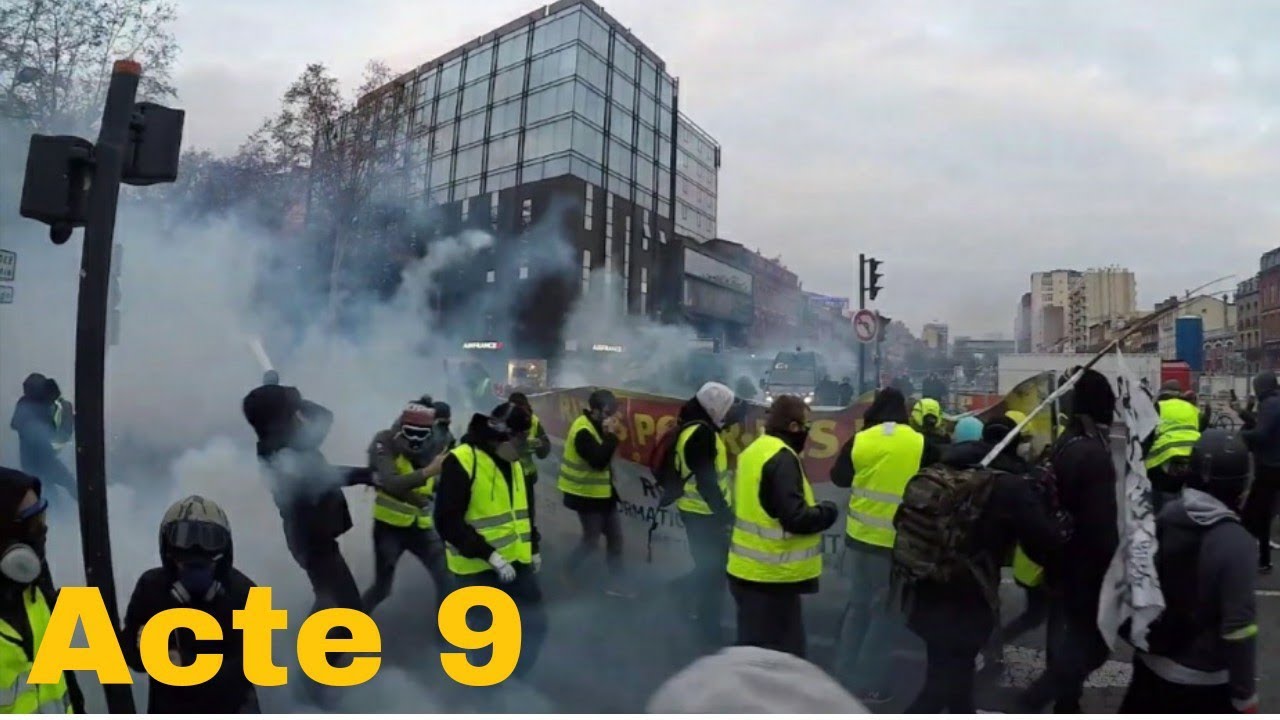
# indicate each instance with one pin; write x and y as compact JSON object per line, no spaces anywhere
{"x":507,"y":451}
{"x":197,"y":576}
{"x":796,"y":440}
{"x":21,"y":563}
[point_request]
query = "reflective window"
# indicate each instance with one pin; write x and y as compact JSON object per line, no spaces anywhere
{"x":451,"y":75}
{"x":664,"y":152}
{"x":445,"y":135}
{"x":644,"y":141}
{"x":505,"y":117}
{"x":468,"y":162}
{"x":508,"y":83}
{"x":595,"y":33}
{"x":588,"y":141}
{"x":502,"y":180}
{"x":556,"y":66}
{"x":471,"y":129}
{"x":588,"y":206}
{"x":648,"y":110}
{"x":589,"y":104}
{"x":618,"y":186}
{"x":475,"y":96}
{"x":664,"y":123}
{"x":666,"y":90}
{"x":503,"y":151}
{"x":447,"y":108}
{"x":623,"y":91}
{"x":555,"y":31}
{"x":550,"y":102}
{"x":712,"y":270}
{"x":479,"y":63}
{"x":548,"y":139}
{"x":644,"y":175}
{"x":592,"y":68}
{"x":648,"y":76}
{"x":620,"y":125}
{"x":624,"y":56}
{"x":586,"y":170}
{"x":586,"y":271}
{"x":619,"y":160}
{"x":513,"y":48}
{"x":440,"y":170}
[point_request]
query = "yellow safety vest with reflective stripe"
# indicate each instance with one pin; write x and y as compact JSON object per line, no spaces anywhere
{"x":1177,"y":433}
{"x":760,"y":550}
{"x":395,"y":512}
{"x":692,"y":500}
{"x":526,"y":455}
{"x":576,"y":476}
{"x":498,"y":511}
{"x":1025,"y":570}
{"x":925,"y":407}
{"x":884,"y":458}
{"x":16,"y":695}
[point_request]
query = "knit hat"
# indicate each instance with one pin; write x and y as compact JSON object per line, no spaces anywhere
{"x":752,"y":680}
{"x":716,"y":399}
{"x":968,"y":429}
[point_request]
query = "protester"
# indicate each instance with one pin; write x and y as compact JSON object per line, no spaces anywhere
{"x":1262,"y":436}
{"x":196,"y":571}
{"x":482,"y":513}
{"x":967,"y":429}
{"x":1202,"y":656}
{"x":406,"y":467}
{"x":27,"y":598}
{"x":586,"y":479}
{"x":702,"y":459}
{"x":955,"y":618}
{"x":876,"y":463}
{"x":926,"y":419}
{"x":44,"y":421}
{"x":1169,"y":445}
{"x":752,"y":680}
{"x":1086,"y":490}
{"x":775,"y":553}
{"x":536,"y":445}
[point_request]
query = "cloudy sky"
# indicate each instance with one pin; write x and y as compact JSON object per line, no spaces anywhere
{"x":967,"y":144}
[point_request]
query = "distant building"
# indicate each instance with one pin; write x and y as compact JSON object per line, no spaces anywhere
{"x":935,"y":338}
{"x":986,"y":350}
{"x":778,"y":304}
{"x":1248,"y":327}
{"x":1099,"y":295}
{"x":1022,"y":324}
{"x":1269,"y":308}
{"x":1051,"y":289}
{"x":717,"y":298}
{"x":1215,"y":313}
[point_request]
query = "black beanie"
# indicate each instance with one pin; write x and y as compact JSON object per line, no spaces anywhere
{"x":1093,"y":396}
{"x":14,"y":485}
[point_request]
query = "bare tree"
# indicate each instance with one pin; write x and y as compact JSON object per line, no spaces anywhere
{"x":56,"y":56}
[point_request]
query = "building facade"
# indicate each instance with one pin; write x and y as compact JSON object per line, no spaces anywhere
{"x":778,"y":300}
{"x":1269,"y":308}
{"x":1248,"y":332}
{"x":697,"y":180}
{"x":1051,"y":289}
{"x":1216,"y":314}
{"x":1099,"y":296}
{"x":558,"y":134}
{"x":985,"y":350}
{"x":717,"y":298}
{"x":935,"y":338}
{"x":1022,"y":324}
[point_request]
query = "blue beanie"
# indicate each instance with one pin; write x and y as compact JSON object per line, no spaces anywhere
{"x":968,"y":429}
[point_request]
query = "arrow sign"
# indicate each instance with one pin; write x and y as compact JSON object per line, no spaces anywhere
{"x":866,"y":325}
{"x":8,"y":265}
{"x":6,"y":294}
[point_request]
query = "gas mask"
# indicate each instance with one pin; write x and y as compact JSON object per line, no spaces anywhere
{"x":196,"y":548}
{"x":23,"y":560}
{"x":507,"y":450}
{"x":197,"y":577}
{"x":415,"y":437}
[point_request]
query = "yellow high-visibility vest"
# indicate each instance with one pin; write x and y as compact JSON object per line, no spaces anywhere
{"x":760,"y":550}
{"x":1025,"y":570}
{"x":884,"y":458}
{"x":526,"y":455}
{"x":1177,"y":433}
{"x":498,"y":512}
{"x":576,"y":476}
{"x":395,"y":512}
{"x":16,"y":694}
{"x":692,"y":501}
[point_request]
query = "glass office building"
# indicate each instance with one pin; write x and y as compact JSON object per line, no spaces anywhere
{"x":697,"y":174}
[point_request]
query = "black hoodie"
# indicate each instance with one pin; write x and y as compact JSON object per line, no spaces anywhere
{"x":1263,"y":438}
{"x":700,"y":456}
{"x":453,"y":493}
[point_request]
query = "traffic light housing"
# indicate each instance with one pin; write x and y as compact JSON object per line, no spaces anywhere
{"x":873,"y":278}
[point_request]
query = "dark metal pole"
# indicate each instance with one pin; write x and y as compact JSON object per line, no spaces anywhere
{"x":91,"y":338}
{"x":862,"y":305}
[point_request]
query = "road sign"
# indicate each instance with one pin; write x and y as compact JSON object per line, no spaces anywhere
{"x":866,"y":325}
{"x":8,"y":265}
{"x":6,"y":294}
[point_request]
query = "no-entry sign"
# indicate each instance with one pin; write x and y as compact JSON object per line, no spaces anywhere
{"x":866,"y":325}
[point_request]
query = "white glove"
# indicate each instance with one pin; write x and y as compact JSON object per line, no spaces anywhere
{"x":537,"y":562}
{"x":506,"y":573}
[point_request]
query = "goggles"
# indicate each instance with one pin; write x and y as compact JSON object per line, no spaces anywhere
{"x":197,"y":535}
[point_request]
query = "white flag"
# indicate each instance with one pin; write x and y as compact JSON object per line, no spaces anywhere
{"x":1131,"y":589}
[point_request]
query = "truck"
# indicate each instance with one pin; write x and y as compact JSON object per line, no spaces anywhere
{"x":1014,"y":368}
{"x":798,"y":373}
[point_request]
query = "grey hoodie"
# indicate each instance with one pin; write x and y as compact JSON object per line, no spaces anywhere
{"x":1223,"y":647}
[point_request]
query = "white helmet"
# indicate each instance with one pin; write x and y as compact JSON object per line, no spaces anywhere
{"x":717,"y":399}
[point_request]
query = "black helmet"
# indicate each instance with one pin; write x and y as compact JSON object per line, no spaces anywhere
{"x":1220,"y":465}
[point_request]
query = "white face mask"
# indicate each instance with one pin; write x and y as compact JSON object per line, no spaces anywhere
{"x":21,"y":564}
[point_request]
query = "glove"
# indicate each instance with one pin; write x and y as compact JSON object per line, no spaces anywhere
{"x":506,"y":573}
{"x":537,"y":562}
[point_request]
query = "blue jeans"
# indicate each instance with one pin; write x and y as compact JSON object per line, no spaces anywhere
{"x":870,"y":627}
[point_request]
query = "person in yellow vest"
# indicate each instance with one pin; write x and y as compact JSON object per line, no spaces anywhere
{"x":1169,"y":447}
{"x":775,"y":552}
{"x":926,"y":419}
{"x":586,"y":479}
{"x":876,"y":463}
{"x":702,"y":459}
{"x":536,"y":445}
{"x":482,"y":513}
{"x":26,"y":601}
{"x":405,"y":463}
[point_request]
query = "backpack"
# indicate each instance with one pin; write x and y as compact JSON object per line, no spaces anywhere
{"x":935,"y":523}
{"x":668,"y":482}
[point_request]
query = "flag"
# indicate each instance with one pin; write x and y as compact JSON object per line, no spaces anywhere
{"x":1131,"y":588}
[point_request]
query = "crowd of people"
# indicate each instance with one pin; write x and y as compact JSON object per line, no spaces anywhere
{"x":934,"y":516}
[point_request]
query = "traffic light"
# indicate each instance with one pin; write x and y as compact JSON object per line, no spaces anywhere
{"x":873,"y":278}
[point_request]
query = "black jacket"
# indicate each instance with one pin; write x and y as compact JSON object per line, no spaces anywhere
{"x":782,"y":498}
{"x":453,"y":495}
{"x":599,"y":455}
{"x":229,"y":690}
{"x":1262,"y":433}
{"x":958,"y":613}
{"x":1086,"y":488}
{"x":700,"y":459}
